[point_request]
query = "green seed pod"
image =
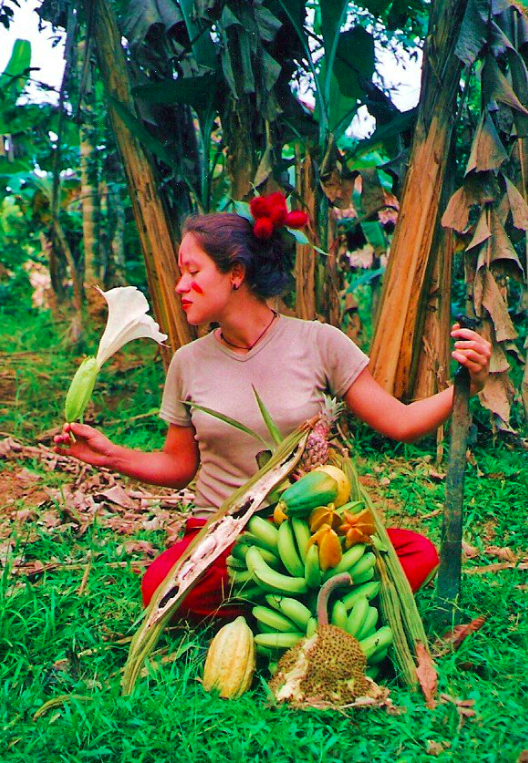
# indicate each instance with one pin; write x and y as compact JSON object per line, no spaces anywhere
{"x":80,"y":390}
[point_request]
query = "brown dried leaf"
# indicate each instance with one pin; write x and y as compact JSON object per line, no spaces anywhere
{"x":495,"y":86}
{"x":437,"y":748}
{"x":501,"y":553}
{"x":117,"y":494}
{"x":426,"y":675}
{"x":487,"y":150}
{"x":372,"y":196}
{"x":142,"y":547}
{"x":499,"y":252}
{"x":494,"y":302}
{"x":470,"y":551}
{"x":489,"y":568}
{"x":435,"y":513}
{"x":476,"y":190}
{"x":518,"y":205}
{"x":459,"y":633}
{"x":497,"y":395}
{"x":336,"y":189}
{"x":481,"y":233}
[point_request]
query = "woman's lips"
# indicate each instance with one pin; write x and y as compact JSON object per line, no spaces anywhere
{"x":185,"y":305}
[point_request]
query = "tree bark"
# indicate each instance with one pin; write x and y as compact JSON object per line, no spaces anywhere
{"x":397,"y":339}
{"x":89,"y":185}
{"x":433,"y":360}
{"x":305,"y":260}
{"x":156,"y":233}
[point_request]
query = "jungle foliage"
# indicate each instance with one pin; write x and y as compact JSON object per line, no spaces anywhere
{"x":195,"y":104}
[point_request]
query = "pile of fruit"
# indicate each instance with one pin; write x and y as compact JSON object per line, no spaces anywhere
{"x":280,"y":565}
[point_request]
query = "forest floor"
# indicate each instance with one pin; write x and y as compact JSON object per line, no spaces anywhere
{"x":74,"y":542}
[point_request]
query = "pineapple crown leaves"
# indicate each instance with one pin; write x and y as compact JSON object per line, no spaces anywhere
{"x":330,"y":411}
{"x":268,"y":420}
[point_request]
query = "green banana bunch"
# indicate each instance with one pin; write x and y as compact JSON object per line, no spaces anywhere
{"x":288,"y":550}
{"x":273,"y":619}
{"x":312,"y":570}
{"x":277,"y":569}
{"x":271,"y":580}
{"x":292,"y":608}
{"x":377,"y":642}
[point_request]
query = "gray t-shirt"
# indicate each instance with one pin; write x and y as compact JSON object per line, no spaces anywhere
{"x":294,"y":363}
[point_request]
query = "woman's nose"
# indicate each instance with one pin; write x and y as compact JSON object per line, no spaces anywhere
{"x":180,"y":286}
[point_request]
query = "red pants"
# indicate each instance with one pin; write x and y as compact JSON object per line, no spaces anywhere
{"x":416,"y":553}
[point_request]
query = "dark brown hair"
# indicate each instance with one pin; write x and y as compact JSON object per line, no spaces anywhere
{"x":228,"y":238}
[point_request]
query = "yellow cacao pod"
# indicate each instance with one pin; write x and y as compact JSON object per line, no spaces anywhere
{"x":343,"y":483}
{"x":230,"y":662}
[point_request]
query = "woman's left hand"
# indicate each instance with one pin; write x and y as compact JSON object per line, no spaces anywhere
{"x":473,"y":352}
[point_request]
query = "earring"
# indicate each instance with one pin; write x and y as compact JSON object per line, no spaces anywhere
{"x":234,"y":286}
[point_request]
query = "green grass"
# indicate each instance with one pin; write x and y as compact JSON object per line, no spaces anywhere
{"x":46,"y":628}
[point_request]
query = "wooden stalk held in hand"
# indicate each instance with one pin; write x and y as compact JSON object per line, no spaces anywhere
{"x":449,"y":573}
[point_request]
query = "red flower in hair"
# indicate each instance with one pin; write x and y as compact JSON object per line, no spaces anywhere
{"x":263,"y":228}
{"x":260,"y":207}
{"x":296,"y":219}
{"x":278,"y":216}
{"x":276,"y":199}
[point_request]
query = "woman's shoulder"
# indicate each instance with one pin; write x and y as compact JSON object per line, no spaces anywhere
{"x":300,"y":325}
{"x":313,"y":329}
{"x":195,"y":348}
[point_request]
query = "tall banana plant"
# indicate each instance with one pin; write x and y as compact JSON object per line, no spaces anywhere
{"x":489,"y":211}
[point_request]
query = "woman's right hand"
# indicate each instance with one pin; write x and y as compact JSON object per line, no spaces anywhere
{"x":90,"y":445}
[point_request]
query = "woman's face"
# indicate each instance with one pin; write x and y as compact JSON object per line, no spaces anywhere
{"x":204,"y":290}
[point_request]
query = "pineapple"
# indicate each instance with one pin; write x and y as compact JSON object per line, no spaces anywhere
{"x":316,"y":451}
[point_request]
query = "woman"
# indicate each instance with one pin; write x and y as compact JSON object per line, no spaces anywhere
{"x":229,"y":268}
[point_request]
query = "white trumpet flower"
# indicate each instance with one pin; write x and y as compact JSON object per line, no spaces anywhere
{"x":127,"y":320}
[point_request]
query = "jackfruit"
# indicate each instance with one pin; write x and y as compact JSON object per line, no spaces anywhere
{"x":329,"y":667}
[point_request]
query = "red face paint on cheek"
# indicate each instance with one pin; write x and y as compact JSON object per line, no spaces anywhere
{"x":196,"y":288}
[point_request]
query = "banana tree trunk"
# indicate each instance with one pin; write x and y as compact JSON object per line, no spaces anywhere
{"x":398,"y":338}
{"x":241,"y":164}
{"x":89,"y":184}
{"x":156,"y":233}
{"x":306,"y":258}
{"x":90,"y":210}
{"x":432,"y":362}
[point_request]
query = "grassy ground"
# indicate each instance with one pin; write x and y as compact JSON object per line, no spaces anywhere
{"x":62,"y":633}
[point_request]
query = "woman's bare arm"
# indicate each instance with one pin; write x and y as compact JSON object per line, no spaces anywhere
{"x":408,"y":423}
{"x":174,"y":466}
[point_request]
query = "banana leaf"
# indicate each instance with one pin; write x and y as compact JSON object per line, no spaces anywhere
{"x":216,"y":535}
